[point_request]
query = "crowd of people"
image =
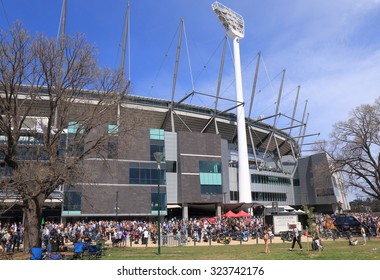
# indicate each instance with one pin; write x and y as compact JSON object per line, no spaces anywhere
{"x":121,"y":233}
{"x":371,"y":221}
{"x":11,"y":236}
{"x":124,"y":232}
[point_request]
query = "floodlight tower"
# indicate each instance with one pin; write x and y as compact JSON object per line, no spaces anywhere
{"x":233,"y":23}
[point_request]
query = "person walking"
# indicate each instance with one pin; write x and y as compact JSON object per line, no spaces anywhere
{"x":145,"y":236}
{"x":364,"y":237}
{"x":296,"y":237}
{"x":266,"y":241}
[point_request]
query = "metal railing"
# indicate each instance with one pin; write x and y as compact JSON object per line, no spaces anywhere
{"x":174,"y":240}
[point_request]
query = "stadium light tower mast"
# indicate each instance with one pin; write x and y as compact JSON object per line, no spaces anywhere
{"x":233,"y":23}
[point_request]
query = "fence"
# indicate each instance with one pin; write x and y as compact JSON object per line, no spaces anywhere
{"x":174,"y":240}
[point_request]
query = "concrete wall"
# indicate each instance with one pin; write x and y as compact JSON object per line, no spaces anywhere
{"x":315,"y":181}
{"x":192,"y":148}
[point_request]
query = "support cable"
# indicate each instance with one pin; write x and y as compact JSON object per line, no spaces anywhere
{"x":188,"y":57}
{"x":165,"y":57}
{"x":209,"y":60}
{"x":5,"y":14}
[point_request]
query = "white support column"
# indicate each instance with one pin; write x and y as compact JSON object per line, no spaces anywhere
{"x":243,"y":167}
{"x":218,"y":211}
{"x":233,"y":24}
{"x":185,"y":212}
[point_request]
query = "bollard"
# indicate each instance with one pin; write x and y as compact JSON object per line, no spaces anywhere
{"x":257,"y":238}
{"x":131,"y":241}
{"x":270,"y":239}
{"x":209,"y":241}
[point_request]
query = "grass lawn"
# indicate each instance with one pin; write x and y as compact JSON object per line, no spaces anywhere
{"x":333,"y":250}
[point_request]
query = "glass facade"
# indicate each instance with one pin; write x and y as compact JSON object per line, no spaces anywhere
{"x":157,"y":134}
{"x":210,"y":177}
{"x":146,"y":176}
{"x":268,"y":196}
{"x":211,"y":189}
{"x":113,"y":129}
{"x":270,"y":180}
{"x":156,"y":146}
{"x":113,"y":141}
{"x":210,"y":167}
{"x":72,"y":201}
{"x":154,"y":201}
{"x":157,"y":142}
{"x":234,"y":195}
{"x":73,"y":128}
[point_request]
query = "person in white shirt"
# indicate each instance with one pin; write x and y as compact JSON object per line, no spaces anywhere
{"x":296,"y":237}
{"x":145,"y":236}
{"x":364,"y":237}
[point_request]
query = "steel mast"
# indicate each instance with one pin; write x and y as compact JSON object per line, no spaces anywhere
{"x":233,"y":23}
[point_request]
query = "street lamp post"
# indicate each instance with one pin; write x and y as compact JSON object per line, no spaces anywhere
{"x":158,"y":156}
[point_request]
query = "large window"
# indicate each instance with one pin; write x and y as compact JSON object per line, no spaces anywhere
{"x":234,"y":195}
{"x":113,"y":129}
{"x":146,"y":176}
{"x":113,"y":141}
{"x":156,"y":146}
{"x":210,"y":177}
{"x":157,"y":142}
{"x":209,"y":167}
{"x":211,"y":189}
{"x":157,"y":134}
{"x":74,"y":137}
{"x":154,"y":201}
{"x":72,"y":201}
{"x":270,"y":180}
{"x":74,"y":128}
{"x":268,"y":196}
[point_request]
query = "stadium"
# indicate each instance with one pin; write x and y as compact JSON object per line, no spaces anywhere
{"x":183,"y":160}
{"x":198,"y":175}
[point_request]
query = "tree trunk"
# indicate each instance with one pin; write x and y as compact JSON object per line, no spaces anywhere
{"x":33,"y":215}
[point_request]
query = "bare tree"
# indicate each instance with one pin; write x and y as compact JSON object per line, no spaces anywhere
{"x":56,"y":106}
{"x":355,"y":149}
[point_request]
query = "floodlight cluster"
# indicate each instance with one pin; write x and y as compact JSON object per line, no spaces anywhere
{"x":232,"y":22}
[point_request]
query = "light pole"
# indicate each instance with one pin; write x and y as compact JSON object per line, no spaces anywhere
{"x":233,"y":24}
{"x":159,"y":157}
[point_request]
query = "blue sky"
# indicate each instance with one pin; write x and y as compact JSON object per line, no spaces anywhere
{"x":331,"y":48}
